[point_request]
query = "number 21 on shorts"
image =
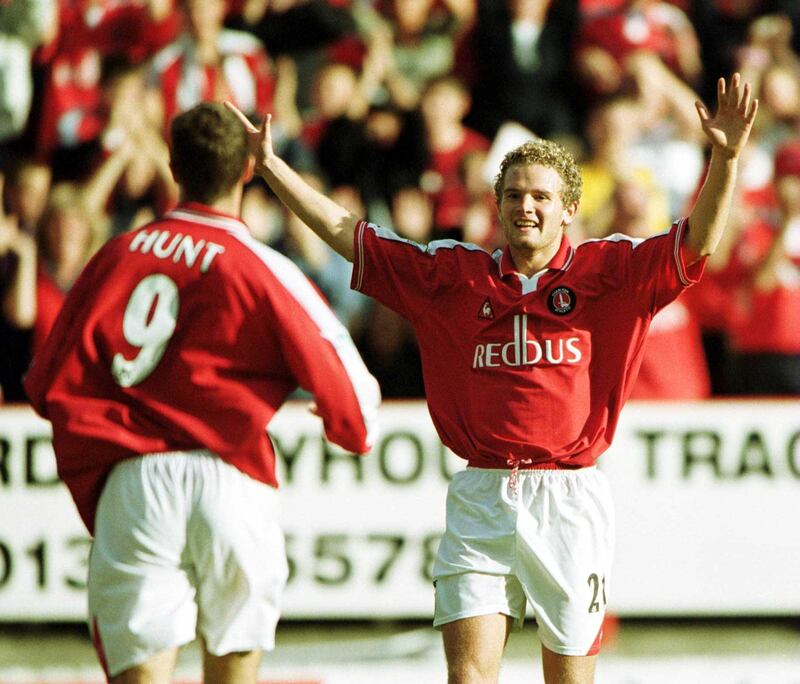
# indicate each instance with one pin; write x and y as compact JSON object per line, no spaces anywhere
{"x":148,"y":323}
{"x":598,"y":586}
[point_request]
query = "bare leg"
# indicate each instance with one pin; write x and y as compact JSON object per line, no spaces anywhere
{"x":474,"y":648}
{"x":231,"y":668}
{"x":561,"y":669}
{"x":157,"y":669}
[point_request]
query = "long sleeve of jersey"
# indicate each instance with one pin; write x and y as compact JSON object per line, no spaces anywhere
{"x":323,"y":359}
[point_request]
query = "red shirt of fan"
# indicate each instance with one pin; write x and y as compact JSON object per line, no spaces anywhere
{"x":674,"y":363}
{"x":624,"y":30}
{"x":530,"y":371}
{"x":187,"y":334}
{"x":244,"y":74}
{"x":768,"y":320}
{"x":450,"y":198}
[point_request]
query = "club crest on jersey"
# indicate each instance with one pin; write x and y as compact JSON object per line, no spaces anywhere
{"x":486,"y":310}
{"x":561,"y":301}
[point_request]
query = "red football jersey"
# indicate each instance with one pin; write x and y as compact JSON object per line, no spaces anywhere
{"x":526,"y":370}
{"x":188,"y":333}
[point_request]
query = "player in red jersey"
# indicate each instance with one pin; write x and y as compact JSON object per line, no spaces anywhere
{"x":528,"y":357}
{"x":174,"y":349}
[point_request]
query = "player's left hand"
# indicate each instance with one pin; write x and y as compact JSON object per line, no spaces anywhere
{"x":729,"y":129}
{"x":259,"y":140}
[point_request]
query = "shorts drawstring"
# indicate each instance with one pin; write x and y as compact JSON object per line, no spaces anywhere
{"x":514,"y":463}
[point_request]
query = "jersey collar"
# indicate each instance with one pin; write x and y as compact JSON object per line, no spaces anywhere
{"x":560,"y":261}
{"x":196,"y":212}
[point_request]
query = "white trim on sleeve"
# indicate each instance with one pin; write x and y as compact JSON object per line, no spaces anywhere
{"x":682,"y":275}
{"x":300,"y":288}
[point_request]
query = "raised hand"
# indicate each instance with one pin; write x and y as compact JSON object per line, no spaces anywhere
{"x":729,"y":129}
{"x":259,"y":140}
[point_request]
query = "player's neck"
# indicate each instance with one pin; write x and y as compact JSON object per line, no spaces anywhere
{"x":529,"y":261}
{"x":230,"y":204}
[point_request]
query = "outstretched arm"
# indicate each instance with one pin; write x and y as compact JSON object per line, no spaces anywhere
{"x":332,"y":222}
{"x":727,"y":131}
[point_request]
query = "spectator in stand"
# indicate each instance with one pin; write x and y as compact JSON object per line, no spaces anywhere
{"x":334,"y":129}
{"x":612,"y":129}
{"x":713,"y":302}
{"x":134,"y":183}
{"x":766,"y":336}
{"x":669,"y":140}
{"x":522,"y":59}
{"x":327,"y":269}
{"x":335,"y":94}
{"x":17,"y":303}
{"x":720,"y":299}
{"x":26,"y":191}
{"x":388,"y":342}
{"x":68,"y":235}
{"x":767,"y":58}
{"x":424,"y":39}
{"x":394,"y":156}
{"x":72,"y":105}
{"x":292,"y":26}
{"x":73,"y":226}
{"x":444,"y":105}
{"x":655,"y":26}
{"x":673,"y":364}
{"x":342,"y":88}
{"x":723,"y":26}
{"x":208,"y":62}
{"x":263,"y":214}
{"x":24,"y":25}
{"x":481,"y":224}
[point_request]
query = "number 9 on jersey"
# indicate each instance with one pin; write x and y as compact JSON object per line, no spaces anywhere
{"x":150,"y":332}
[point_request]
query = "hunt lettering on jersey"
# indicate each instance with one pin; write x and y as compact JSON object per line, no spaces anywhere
{"x":179,"y":247}
{"x":524,"y":351}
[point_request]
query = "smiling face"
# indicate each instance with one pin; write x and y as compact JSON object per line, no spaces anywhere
{"x":533,"y":214}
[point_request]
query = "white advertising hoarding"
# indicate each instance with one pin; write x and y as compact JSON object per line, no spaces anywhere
{"x":707,"y":499}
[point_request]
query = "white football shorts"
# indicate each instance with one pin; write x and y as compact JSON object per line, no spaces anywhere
{"x":546,"y":539}
{"x":185,"y":545}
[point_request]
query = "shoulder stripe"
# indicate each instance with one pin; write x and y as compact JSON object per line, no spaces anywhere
{"x":298,"y":286}
{"x":680,"y":229}
{"x":429,"y":248}
{"x":382,"y":233}
{"x":436,"y":245}
{"x":617,"y":237}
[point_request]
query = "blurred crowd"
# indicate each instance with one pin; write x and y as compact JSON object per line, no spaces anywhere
{"x":397,"y":108}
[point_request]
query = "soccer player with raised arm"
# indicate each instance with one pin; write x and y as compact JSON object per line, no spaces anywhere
{"x":528,"y":357}
{"x":174,"y":349}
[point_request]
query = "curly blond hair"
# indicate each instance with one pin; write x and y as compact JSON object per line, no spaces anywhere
{"x":543,"y":153}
